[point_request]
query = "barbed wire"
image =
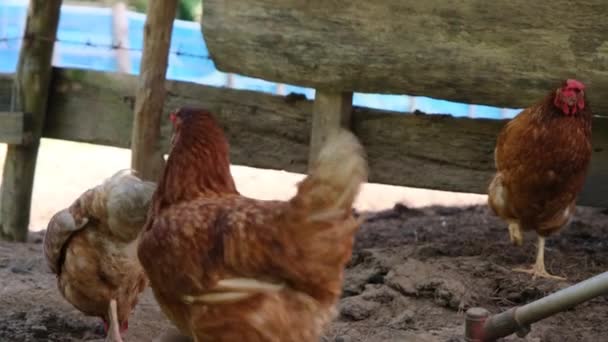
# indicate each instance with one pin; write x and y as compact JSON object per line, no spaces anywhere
{"x":119,"y":47}
{"x":89,"y":43}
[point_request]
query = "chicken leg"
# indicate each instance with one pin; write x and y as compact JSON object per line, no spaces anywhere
{"x":515,"y":234}
{"x":538,"y":270}
{"x":114,"y":329}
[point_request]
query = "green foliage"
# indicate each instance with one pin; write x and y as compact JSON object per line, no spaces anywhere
{"x":190,"y":10}
{"x":76,"y":74}
{"x":139,"y":5}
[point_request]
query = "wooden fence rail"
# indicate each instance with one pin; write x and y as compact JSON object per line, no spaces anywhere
{"x":270,"y":131}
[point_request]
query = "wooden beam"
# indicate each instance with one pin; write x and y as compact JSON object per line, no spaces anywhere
{"x":147,"y":157}
{"x":12,"y":128}
{"x":33,"y":78}
{"x":331,"y":111}
{"x":443,"y":49}
{"x":268,"y":131}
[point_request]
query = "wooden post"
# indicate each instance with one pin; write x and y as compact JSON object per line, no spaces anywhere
{"x":280,"y":89}
{"x":412,"y":103}
{"x":34,"y":73}
{"x":331,"y":110}
{"x":120,"y":36}
{"x":229,"y":81}
{"x":147,"y":155}
{"x":471,"y":111}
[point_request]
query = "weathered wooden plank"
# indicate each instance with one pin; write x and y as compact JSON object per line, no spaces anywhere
{"x":146,"y":157}
{"x":443,"y":49}
{"x":267,"y":131}
{"x":108,"y":97}
{"x":6,"y":91}
{"x":11,"y":128}
{"x":33,"y":79}
{"x":331,"y":110}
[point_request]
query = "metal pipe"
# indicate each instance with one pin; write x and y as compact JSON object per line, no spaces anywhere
{"x":481,"y":327}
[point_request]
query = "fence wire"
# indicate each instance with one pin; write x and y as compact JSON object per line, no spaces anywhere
{"x":179,"y":53}
{"x":89,"y":43}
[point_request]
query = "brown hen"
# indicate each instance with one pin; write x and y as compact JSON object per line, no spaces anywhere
{"x":542,"y":157}
{"x":225,"y":267}
{"x":92,"y":248}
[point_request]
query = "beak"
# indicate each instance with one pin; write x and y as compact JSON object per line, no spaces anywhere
{"x":570,"y":101}
{"x":175,"y":131}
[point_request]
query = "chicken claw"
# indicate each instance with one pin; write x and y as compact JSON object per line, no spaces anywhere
{"x":538,"y":270}
{"x":113,"y":330}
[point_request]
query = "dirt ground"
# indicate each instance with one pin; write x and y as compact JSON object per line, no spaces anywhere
{"x":412,"y":275}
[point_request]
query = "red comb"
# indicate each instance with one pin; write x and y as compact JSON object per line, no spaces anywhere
{"x":572,"y":83}
{"x":172,"y":116}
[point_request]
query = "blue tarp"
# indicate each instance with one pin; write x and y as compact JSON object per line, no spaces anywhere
{"x":85,"y":40}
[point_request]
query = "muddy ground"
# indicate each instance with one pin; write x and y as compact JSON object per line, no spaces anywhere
{"x":412,"y":275}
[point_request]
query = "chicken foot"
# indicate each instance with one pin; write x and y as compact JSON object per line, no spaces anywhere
{"x":114,"y":329}
{"x":228,"y":290}
{"x":538,"y":270}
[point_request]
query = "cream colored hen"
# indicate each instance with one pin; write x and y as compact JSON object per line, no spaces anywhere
{"x":91,"y":247}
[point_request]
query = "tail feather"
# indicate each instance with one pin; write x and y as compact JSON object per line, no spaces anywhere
{"x":122,"y":199}
{"x":319,"y":218}
{"x":330,"y":189}
{"x":128,"y":199}
{"x":59,"y":231}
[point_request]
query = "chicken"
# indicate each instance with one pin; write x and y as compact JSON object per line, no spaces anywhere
{"x":92,"y":248}
{"x":542,"y":157}
{"x":225,"y":267}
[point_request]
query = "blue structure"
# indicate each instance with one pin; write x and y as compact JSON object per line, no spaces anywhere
{"x":85,"y":41}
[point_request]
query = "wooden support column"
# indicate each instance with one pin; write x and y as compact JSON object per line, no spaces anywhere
{"x":147,"y":155}
{"x":34,"y":73}
{"x":331,"y":110}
